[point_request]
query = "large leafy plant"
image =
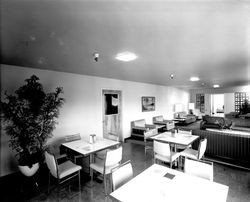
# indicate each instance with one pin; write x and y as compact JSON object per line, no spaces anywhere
{"x":29,"y":117}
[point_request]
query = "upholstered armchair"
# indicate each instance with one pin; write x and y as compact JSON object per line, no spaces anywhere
{"x":139,"y":128}
{"x":158,"y":120}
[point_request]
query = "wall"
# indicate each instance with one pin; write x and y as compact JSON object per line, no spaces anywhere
{"x":82,"y":111}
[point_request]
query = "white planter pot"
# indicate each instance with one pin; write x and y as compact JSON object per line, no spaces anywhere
{"x":27,"y":171}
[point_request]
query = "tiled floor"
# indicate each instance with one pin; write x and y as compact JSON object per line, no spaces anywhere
{"x":237,"y":180}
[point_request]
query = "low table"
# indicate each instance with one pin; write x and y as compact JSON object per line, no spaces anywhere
{"x":160,"y":127}
{"x":179,"y":121}
{"x":229,"y":131}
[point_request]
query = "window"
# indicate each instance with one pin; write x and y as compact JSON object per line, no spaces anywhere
{"x":239,"y":99}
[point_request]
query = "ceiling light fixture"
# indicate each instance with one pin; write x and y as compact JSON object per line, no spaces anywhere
{"x":194,"y":78}
{"x":126,"y":56}
{"x":216,"y":86}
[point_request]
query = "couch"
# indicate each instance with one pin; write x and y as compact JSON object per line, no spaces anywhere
{"x":215,"y":122}
{"x":184,"y":117}
{"x":240,"y":124}
{"x":229,"y":146}
{"x":159,"y":120}
{"x":141,"y":130}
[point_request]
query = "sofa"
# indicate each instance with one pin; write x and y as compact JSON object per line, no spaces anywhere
{"x":159,"y":120}
{"x":215,"y":122}
{"x":227,"y":145}
{"x":184,"y":117}
{"x":240,"y":124}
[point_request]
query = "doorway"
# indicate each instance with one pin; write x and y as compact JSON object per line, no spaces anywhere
{"x":217,"y":105}
{"x":112,"y":114}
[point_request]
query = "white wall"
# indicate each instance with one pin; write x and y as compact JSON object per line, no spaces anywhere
{"x":229,"y":103}
{"x":82,"y":111}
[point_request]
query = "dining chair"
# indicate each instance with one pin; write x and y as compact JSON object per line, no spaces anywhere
{"x":121,"y":175}
{"x":163,"y":153}
{"x":104,"y":166}
{"x":196,"y":154}
{"x":203,"y":169}
{"x":184,"y":132}
{"x":71,"y":154}
{"x":62,"y":172}
{"x":102,"y":154}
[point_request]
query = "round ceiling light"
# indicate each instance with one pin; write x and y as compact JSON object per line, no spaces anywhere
{"x":194,"y":78}
{"x":126,"y":56}
{"x":216,"y":86}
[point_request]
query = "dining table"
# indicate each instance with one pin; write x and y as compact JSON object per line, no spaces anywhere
{"x":162,"y":184}
{"x":175,"y":138}
{"x":86,"y":147}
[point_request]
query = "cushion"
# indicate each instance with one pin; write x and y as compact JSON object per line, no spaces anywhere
{"x":67,"y":168}
{"x":159,"y":118}
{"x":140,"y":123}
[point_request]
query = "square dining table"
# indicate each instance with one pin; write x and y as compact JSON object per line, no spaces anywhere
{"x":86,"y":148}
{"x":162,"y":184}
{"x":175,"y":138}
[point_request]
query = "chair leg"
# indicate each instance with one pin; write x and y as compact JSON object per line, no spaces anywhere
{"x":79,"y":178}
{"x":49,"y":183}
{"x":91,"y":175}
{"x":105,"y":185}
{"x":170,"y":164}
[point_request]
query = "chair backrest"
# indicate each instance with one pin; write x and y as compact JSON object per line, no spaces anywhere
{"x":51,"y":163}
{"x":138,"y":123}
{"x":113,"y":136}
{"x":158,"y":118}
{"x":73,"y":137}
{"x":113,"y":157}
{"x":121,"y":174}
{"x":201,"y":169}
{"x":162,"y":148}
{"x":202,"y":148}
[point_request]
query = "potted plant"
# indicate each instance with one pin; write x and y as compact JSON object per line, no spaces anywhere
{"x":29,"y":117}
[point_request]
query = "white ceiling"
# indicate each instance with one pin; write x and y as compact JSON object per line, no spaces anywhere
{"x":209,"y":39}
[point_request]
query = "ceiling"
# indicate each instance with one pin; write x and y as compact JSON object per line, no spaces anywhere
{"x":209,"y":39}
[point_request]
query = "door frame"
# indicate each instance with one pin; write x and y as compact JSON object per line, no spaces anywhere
{"x":119,"y":92}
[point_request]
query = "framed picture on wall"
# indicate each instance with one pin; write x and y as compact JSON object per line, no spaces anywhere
{"x":148,"y":104}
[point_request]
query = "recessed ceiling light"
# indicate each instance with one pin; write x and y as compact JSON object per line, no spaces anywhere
{"x":216,"y":86}
{"x":126,"y":56}
{"x":194,"y":78}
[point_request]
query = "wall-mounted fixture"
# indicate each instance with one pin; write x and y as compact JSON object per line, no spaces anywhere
{"x":96,"y":56}
{"x":171,"y":76}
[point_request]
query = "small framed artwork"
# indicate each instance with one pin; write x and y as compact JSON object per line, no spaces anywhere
{"x":148,"y":104}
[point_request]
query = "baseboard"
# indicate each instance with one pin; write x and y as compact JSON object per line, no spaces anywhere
{"x":226,"y":163}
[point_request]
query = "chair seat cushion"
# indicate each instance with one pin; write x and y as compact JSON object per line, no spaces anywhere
{"x":190,"y":153}
{"x":99,"y":167}
{"x":175,"y":155}
{"x":67,"y":168}
{"x":182,"y":147}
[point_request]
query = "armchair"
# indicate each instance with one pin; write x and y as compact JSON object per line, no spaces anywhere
{"x":140,"y":129}
{"x":158,"y":120}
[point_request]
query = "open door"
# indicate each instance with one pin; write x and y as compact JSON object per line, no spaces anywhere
{"x":112,"y":114}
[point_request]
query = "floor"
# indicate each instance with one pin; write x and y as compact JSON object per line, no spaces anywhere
{"x":237,"y":180}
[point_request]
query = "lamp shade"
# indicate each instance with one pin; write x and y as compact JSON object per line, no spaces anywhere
{"x":191,"y":106}
{"x":178,"y":107}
